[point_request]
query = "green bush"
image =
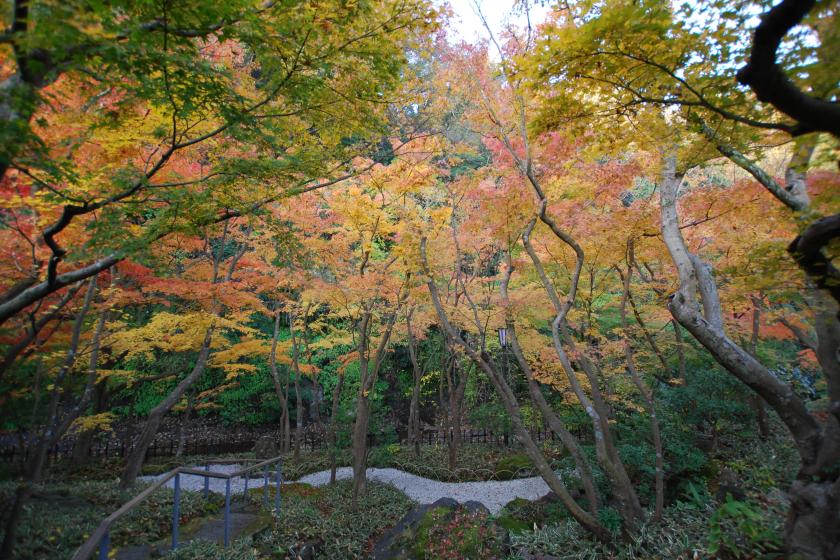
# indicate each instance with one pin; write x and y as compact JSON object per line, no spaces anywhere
{"x":740,"y":530}
{"x":324,"y":518}
{"x":513,"y":466}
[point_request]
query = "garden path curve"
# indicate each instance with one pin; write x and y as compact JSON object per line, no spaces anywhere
{"x":493,"y":494}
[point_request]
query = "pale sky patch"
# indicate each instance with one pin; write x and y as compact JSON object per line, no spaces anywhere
{"x":467,"y":26}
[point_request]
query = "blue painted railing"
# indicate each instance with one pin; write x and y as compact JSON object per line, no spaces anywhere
{"x":101,"y":537}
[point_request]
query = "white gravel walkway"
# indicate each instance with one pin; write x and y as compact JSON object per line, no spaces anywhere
{"x":493,"y":494}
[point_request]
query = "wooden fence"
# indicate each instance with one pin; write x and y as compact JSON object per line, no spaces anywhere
{"x":223,"y":446}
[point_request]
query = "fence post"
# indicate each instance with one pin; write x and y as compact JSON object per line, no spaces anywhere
{"x":176,"y":511}
{"x":227,"y":512}
{"x":105,"y":545}
{"x":245,"y":492}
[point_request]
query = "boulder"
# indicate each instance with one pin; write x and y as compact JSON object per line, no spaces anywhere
{"x":266,"y":448}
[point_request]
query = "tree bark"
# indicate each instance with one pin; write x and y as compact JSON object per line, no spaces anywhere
{"x":368,"y":373}
{"x":813,"y":525}
{"x":553,"y":420}
{"x":298,"y":400}
{"x":282,"y":396}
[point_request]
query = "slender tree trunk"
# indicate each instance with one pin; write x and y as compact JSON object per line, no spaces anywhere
{"x":298,"y":401}
{"x":596,"y":408}
{"x":360,"y":449}
{"x":135,"y":459}
{"x":53,"y":429}
{"x":554,"y":422}
{"x":183,"y":425}
{"x":333,"y":435}
{"x":278,"y":387}
{"x":84,"y":441}
{"x":589,"y":522}
{"x":369,"y":366}
{"x":647,"y":395}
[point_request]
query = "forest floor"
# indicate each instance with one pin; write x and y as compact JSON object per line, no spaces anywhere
{"x":698,"y":522}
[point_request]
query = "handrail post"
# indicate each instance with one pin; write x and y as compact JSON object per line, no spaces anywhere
{"x":265,"y":485}
{"x":176,"y":511}
{"x":245,"y":491}
{"x":277,"y":489}
{"x":206,"y":481}
{"x":227,"y":512}
{"x":105,"y":546}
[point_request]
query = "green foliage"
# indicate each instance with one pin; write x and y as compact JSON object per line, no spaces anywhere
{"x":490,"y":416}
{"x":252,"y":401}
{"x":513,"y":466}
{"x":738,"y":530}
{"x":324,"y":516}
{"x":60,"y":517}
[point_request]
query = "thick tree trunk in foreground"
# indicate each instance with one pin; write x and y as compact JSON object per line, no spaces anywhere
{"x":812,"y":530}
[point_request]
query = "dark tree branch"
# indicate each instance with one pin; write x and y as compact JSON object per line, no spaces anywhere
{"x":769,"y":82}
{"x":807,"y":250}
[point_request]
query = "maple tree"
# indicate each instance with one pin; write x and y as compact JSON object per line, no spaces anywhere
{"x":338,"y":204}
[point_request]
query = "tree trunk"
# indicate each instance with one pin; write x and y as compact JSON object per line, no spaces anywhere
{"x":812,"y":530}
{"x":590,"y":523}
{"x":333,"y":436}
{"x":278,"y":387}
{"x":647,"y":395}
{"x":596,"y":408}
{"x":84,"y":441}
{"x":135,"y":459}
{"x":360,"y":450}
{"x":555,"y":424}
{"x":183,"y":425}
{"x":298,"y":401}
{"x":55,"y":427}
{"x":368,"y":373}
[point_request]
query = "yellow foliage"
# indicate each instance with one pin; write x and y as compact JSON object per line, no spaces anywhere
{"x":96,"y":422}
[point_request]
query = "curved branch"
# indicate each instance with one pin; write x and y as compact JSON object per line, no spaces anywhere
{"x":770,"y":84}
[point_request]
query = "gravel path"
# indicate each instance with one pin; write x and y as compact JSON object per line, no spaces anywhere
{"x":493,"y":494}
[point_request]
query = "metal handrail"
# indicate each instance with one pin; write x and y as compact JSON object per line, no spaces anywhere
{"x":101,"y":535}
